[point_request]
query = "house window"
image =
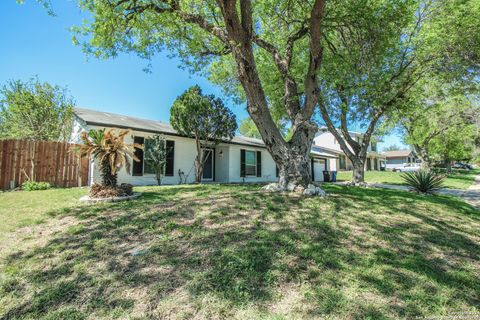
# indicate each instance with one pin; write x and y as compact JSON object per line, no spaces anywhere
{"x":250,"y":163}
{"x":342,"y":164}
{"x":137,"y":167}
{"x":147,"y":168}
{"x":169,"y":166}
{"x":142,"y":167}
{"x":374,"y":146}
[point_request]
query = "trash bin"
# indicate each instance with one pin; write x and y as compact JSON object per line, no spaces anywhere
{"x":334,"y":176}
{"x":326,"y":176}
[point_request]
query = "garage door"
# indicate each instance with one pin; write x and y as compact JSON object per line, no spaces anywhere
{"x":318,"y":168}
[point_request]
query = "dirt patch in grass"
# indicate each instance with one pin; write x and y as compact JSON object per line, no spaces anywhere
{"x":38,"y":235}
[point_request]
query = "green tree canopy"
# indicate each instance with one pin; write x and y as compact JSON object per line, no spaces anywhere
{"x":286,"y":57}
{"x":249,"y":129}
{"x":393,"y":147}
{"x":205,"y":118}
{"x":156,"y":152}
{"x":35,"y":110}
{"x":441,"y":120}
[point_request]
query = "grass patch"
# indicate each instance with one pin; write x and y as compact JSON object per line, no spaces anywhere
{"x":25,"y":208}
{"x":459,"y":179}
{"x":225,"y":252}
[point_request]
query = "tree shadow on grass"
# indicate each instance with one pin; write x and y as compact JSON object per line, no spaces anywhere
{"x":240,"y":246}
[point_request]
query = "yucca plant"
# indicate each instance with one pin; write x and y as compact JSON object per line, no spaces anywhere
{"x":111,"y":151}
{"x":423,"y":181}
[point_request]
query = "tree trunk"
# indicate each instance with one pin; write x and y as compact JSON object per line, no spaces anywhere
{"x":108,"y":179}
{"x":358,"y":175}
{"x":424,"y":157}
{"x":292,"y":157}
{"x":198,"y":169}
{"x":448,"y":166}
{"x":294,"y":169}
{"x":294,"y":162}
{"x":198,"y":161}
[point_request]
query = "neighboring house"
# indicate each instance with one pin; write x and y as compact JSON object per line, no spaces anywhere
{"x":325,"y":139}
{"x":399,"y":157}
{"x":240,"y":160}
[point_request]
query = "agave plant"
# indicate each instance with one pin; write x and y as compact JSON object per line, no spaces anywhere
{"x":111,"y":151}
{"x":423,"y":181}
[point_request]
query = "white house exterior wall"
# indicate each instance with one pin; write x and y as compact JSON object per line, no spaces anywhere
{"x":327,"y":140}
{"x":222,"y":160}
{"x":227,"y":161}
{"x":332,"y":164}
{"x":184,"y":156}
{"x":268,"y":165}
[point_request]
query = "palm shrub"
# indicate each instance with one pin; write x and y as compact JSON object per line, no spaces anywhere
{"x":110,"y":149}
{"x":423,"y":181}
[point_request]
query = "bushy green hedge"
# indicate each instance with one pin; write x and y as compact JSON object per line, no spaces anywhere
{"x":34,"y":185}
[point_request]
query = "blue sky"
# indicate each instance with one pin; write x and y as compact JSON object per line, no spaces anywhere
{"x":32,"y":43}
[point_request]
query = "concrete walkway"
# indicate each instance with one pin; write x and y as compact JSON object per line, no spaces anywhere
{"x":471,"y":195}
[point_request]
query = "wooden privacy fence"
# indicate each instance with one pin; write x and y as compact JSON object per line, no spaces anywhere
{"x":50,"y":161}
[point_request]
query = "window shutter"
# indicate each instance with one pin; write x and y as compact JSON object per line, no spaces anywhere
{"x":242,"y":162}
{"x":259,"y":163}
{"x":312,"y":164}
{"x":137,"y":168}
{"x":277,"y":171}
{"x":170,"y":158}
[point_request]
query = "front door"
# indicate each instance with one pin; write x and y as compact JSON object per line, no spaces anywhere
{"x":208,"y":166}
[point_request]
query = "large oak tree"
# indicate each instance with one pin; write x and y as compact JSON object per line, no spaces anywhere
{"x":217,"y":35}
{"x":288,"y":57}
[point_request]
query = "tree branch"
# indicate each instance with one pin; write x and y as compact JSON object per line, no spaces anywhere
{"x":316,"y":53}
{"x":343,"y":119}
{"x":173,"y":6}
{"x":333,"y":130}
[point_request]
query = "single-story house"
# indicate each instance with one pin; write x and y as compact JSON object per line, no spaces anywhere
{"x":400,"y":157}
{"x":242,"y":159}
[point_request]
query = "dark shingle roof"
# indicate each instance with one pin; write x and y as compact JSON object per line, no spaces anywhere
{"x":107,"y":119}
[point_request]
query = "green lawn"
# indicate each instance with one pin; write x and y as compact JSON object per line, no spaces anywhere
{"x":19,"y":209}
{"x":459,"y":179}
{"x":226,"y":252}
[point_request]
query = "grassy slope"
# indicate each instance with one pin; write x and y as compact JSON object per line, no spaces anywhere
{"x":460,"y":179}
{"x":19,"y":209}
{"x":231,"y":252}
